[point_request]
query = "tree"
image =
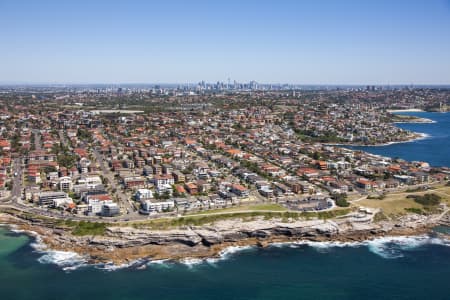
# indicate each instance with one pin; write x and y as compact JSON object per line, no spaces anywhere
{"x":49,"y":169}
{"x":9,"y":185}
{"x":341,"y":200}
{"x":166,"y":195}
{"x":316,"y":155}
{"x":85,"y":135}
{"x":67,"y":160}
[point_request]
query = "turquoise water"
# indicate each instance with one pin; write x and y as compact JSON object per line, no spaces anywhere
{"x":435,"y":149}
{"x":402,"y":268}
{"x":406,"y":268}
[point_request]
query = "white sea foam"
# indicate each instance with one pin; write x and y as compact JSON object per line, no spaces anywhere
{"x":192,"y":262}
{"x":390,"y":247}
{"x":37,"y":243}
{"x":327,"y":245}
{"x":67,"y":260}
{"x":37,"y":237}
{"x":226,"y":253}
{"x":110,"y":266}
{"x":386,"y":247}
{"x":319,"y":246}
{"x":395,"y":247}
{"x":158,"y":262}
{"x":440,"y":241}
{"x":229,"y":251}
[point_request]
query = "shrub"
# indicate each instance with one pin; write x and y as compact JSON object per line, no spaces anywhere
{"x":414,"y":210}
{"x":342,"y":202}
{"x":427,"y":199}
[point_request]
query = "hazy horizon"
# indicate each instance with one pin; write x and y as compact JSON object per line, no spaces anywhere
{"x":297,"y":42}
{"x":37,"y":84}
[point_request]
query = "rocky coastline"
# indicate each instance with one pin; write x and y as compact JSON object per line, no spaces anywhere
{"x":122,"y":244}
{"x":415,"y":136}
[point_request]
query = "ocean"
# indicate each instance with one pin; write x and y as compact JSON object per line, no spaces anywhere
{"x":386,"y":268}
{"x":434,"y":149}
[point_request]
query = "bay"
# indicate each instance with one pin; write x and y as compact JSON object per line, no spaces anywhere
{"x":399,"y":268}
{"x":435,"y":149}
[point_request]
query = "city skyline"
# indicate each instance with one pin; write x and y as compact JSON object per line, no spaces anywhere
{"x":325,"y":43}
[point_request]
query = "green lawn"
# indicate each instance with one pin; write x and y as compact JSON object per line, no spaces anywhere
{"x":397,"y":204}
{"x":89,"y":228}
{"x":202,"y":219}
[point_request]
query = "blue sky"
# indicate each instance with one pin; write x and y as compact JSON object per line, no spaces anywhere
{"x":302,"y":42}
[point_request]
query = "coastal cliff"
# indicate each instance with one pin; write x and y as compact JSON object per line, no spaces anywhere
{"x":123,"y":244}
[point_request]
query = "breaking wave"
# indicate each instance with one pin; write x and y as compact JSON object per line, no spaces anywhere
{"x":69,"y":261}
{"x":160,"y":263}
{"x":390,"y":247}
{"x":385,"y":247}
{"x":192,"y":262}
{"x":396,"y":247}
{"x":136,"y":264}
{"x":225,"y":254}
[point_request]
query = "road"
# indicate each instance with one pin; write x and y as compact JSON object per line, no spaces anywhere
{"x":62,"y":138}
{"x":359,"y":199}
{"x":16,"y":192}
{"x":15,"y":199}
{"x":37,"y":139}
{"x":131,"y":214}
{"x":124,"y":199}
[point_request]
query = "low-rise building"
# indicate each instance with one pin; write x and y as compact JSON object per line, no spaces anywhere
{"x":110,"y":210}
{"x":266,"y":191}
{"x":163,"y":180}
{"x":239,"y":190}
{"x":134,"y":182}
{"x":47,"y":198}
{"x":96,"y":202}
{"x":143,"y":194}
{"x":89,"y":180}
{"x":149,"y":207}
{"x":61,"y":202}
{"x":179,"y":177}
{"x":65,"y":183}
